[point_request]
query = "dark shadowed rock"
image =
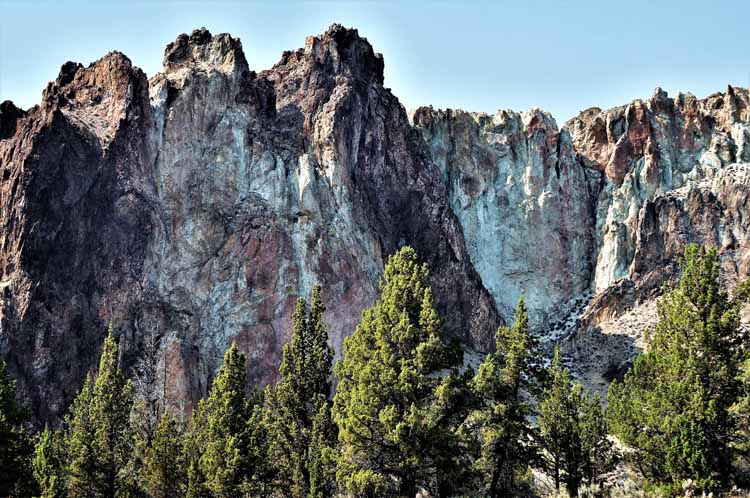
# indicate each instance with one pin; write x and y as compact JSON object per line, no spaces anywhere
{"x":9,"y":116}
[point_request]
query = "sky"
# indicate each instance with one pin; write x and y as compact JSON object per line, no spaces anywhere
{"x":560,"y":56}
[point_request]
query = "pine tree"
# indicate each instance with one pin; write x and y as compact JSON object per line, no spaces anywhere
{"x":572,"y":432}
{"x":99,"y":439}
{"x":265,"y":468}
{"x":740,"y":409}
{"x":501,"y":383}
{"x":674,"y":406}
{"x":217,"y":450}
{"x":555,"y":420}
{"x":600,"y":454}
{"x":48,"y":464}
{"x":387,"y":405}
{"x":301,"y":430}
{"x":15,"y":443}
{"x":81,"y":468}
{"x":321,"y":458}
{"x":163,"y":472}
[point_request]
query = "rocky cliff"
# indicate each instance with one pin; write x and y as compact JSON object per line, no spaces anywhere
{"x":199,"y":204}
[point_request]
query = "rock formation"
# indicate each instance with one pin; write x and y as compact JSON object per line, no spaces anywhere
{"x":676,"y":172}
{"x":201,"y":203}
{"x":525,"y":204}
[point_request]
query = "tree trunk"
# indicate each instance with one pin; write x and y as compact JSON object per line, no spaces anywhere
{"x":572,"y":486}
{"x":408,"y":486}
{"x":494,"y":483}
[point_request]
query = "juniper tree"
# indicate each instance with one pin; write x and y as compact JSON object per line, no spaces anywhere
{"x":15,"y":443}
{"x":674,"y":405}
{"x":301,"y":433}
{"x":163,"y":472}
{"x":501,"y":385}
{"x":572,"y":432}
{"x":98,"y":437}
{"x":218,"y":449}
{"x":392,"y":378}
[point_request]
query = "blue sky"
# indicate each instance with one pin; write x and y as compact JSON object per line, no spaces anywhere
{"x":481,"y":56}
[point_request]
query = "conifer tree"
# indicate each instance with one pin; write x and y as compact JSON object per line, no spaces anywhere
{"x":600,"y":454}
{"x":15,"y":443}
{"x":265,"y":467}
{"x":321,"y":457}
{"x":740,"y":411}
{"x":47,"y":464}
{"x":302,"y":434}
{"x":81,"y":469}
{"x":217,"y":450}
{"x":98,"y":438}
{"x":501,"y":382}
{"x":572,"y":432}
{"x":674,"y":405}
{"x":163,"y":472}
{"x":387,"y":405}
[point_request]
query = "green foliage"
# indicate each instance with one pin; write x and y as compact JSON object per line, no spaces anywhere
{"x":15,"y":443}
{"x":394,"y":387}
{"x":301,"y":433}
{"x":674,"y":407}
{"x":163,"y":472}
{"x":740,"y":412}
{"x":405,"y":415}
{"x":98,"y":438}
{"x":572,"y":432}
{"x":501,"y":416}
{"x":48,"y":464}
{"x":218,"y":449}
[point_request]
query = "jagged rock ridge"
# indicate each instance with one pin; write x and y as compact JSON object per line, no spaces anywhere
{"x":202,"y":202}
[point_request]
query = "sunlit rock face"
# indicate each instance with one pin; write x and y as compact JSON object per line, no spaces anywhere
{"x":676,"y":173}
{"x":588,"y":228}
{"x":648,"y":148}
{"x":75,"y":205}
{"x":526,"y":206}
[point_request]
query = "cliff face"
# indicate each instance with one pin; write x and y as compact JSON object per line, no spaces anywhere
{"x":676,"y":172}
{"x":647,"y":149}
{"x":525,"y":204}
{"x":201,"y":203}
{"x":75,"y":223}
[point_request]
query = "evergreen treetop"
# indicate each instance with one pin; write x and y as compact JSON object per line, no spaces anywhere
{"x":674,"y":406}
{"x":387,"y":402}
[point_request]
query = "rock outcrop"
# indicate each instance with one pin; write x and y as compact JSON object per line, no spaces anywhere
{"x":676,"y":173}
{"x":649,"y":148}
{"x":202,"y":203}
{"x":199,"y":204}
{"x":76,"y":217}
{"x":525,"y":204}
